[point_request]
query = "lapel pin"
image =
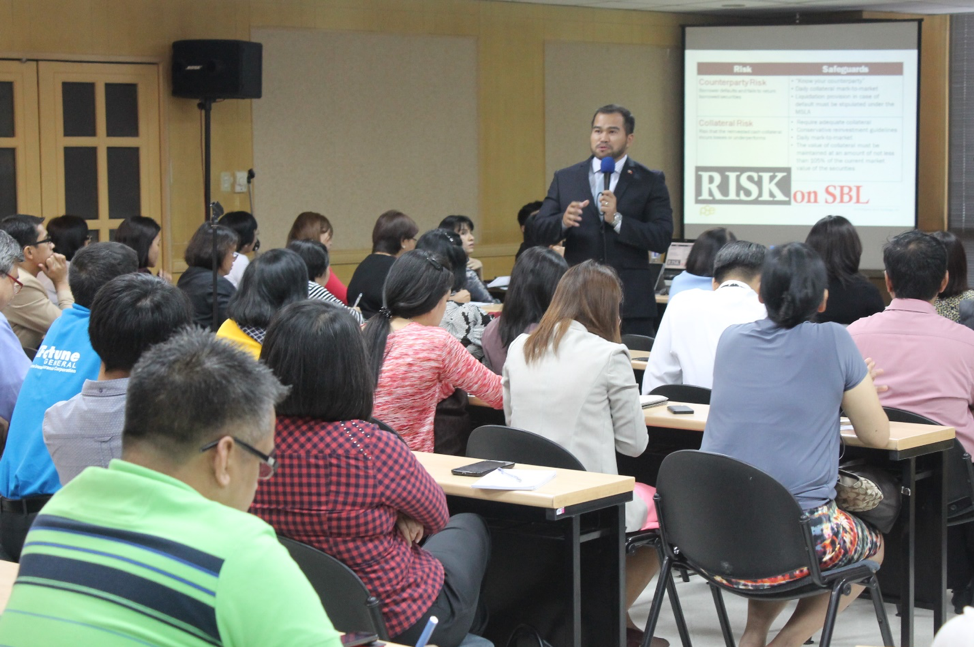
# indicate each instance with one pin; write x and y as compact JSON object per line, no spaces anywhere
{"x":629,"y":171}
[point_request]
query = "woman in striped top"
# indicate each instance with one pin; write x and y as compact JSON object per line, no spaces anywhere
{"x":416,"y":364}
{"x":315,"y":256}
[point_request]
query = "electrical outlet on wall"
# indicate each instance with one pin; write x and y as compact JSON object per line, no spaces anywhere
{"x":226,"y":181}
{"x":241,"y":184}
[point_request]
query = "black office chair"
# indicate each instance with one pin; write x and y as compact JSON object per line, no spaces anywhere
{"x":349,"y":604}
{"x":683,"y":393}
{"x":724,"y":518}
{"x":638,"y":342}
{"x":960,"y":471}
{"x":496,"y":442}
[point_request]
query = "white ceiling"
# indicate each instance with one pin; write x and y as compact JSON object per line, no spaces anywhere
{"x":748,"y":7}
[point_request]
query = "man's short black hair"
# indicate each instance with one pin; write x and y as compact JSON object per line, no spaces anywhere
{"x":915,"y":264}
{"x":22,"y":228}
{"x":629,"y":122}
{"x":69,"y":234}
{"x":243,"y":224}
{"x":741,"y":258}
{"x":314,"y":254}
{"x":97,"y":264}
{"x":316,"y":348}
{"x":194,"y":388}
{"x":525,"y":212}
{"x":132,"y":313}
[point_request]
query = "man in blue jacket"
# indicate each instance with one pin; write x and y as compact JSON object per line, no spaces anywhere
{"x":63,"y":362}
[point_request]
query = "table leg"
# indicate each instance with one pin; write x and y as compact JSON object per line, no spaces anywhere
{"x":908,"y":575}
{"x":938,"y":531}
{"x":573,"y":574}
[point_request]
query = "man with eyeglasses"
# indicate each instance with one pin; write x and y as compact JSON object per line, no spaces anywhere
{"x":13,"y":362}
{"x":31,"y":312}
{"x":158,"y":549}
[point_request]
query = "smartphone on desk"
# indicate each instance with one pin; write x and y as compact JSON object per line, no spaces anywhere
{"x":480,"y":468}
{"x":361,"y":638}
{"x":679,"y":409}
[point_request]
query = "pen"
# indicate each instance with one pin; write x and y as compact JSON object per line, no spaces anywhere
{"x":355,"y":305}
{"x":510,"y":474}
{"x":427,"y":632}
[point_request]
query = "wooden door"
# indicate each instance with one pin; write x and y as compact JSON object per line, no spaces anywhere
{"x":20,"y":173}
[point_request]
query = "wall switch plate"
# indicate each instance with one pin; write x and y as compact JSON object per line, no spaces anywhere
{"x":226,"y":181}
{"x":240,"y":186}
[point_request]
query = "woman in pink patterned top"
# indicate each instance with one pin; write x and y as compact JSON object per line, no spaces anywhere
{"x":415,"y":362}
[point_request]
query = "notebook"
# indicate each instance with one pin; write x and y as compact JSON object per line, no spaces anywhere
{"x":648,"y":401}
{"x":508,"y":479}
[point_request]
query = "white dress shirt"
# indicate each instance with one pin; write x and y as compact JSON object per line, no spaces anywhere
{"x":596,"y":181}
{"x":686,"y":341}
{"x":240,"y":263}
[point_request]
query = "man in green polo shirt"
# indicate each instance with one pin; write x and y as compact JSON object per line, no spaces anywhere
{"x":158,"y":549}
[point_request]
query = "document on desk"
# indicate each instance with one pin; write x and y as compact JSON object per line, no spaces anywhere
{"x":507,"y":479}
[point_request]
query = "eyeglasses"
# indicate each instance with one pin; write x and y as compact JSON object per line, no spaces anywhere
{"x":18,"y":286}
{"x":44,"y":242}
{"x":268,"y":463}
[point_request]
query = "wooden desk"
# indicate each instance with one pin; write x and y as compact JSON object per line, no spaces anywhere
{"x":546,"y":544}
{"x":8,"y":573}
{"x":639,"y":360}
{"x":918,"y":452}
{"x":662,"y":299}
{"x":493,"y":308}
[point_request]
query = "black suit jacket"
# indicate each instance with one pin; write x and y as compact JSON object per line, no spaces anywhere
{"x":647,"y":226}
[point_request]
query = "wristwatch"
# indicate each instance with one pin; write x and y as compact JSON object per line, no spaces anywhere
{"x":617,"y":222}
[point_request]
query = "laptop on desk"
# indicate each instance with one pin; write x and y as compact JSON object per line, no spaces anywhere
{"x":674,"y":263}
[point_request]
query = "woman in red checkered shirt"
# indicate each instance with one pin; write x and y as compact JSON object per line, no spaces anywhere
{"x":416,"y":364}
{"x":356,"y":492}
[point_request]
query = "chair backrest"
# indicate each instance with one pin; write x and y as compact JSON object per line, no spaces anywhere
{"x":638,"y":342}
{"x":349,"y":605}
{"x":728,"y":518}
{"x":683,"y":393}
{"x":960,"y":474}
{"x":499,"y":443}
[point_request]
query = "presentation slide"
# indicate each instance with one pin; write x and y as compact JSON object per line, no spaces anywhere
{"x":787,"y":124}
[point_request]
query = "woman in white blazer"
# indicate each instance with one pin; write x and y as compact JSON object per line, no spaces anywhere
{"x":571,"y":381}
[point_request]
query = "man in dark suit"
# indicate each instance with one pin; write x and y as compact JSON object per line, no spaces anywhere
{"x":618,"y":227}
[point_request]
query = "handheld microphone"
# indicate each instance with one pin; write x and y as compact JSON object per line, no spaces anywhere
{"x":608,"y":168}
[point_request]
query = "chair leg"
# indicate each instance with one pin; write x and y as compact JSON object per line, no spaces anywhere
{"x":725,"y":627}
{"x":681,"y":623}
{"x":664,"y":578}
{"x":839,"y":589}
{"x":877,"y":597}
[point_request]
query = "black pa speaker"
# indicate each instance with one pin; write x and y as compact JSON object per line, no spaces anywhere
{"x":216,"y":69}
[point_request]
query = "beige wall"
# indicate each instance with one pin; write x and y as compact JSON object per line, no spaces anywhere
{"x":511,"y":105}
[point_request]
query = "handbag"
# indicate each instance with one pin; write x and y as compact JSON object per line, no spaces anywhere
{"x":870,"y":493}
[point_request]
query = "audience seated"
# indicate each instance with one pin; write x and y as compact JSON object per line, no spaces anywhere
{"x":414,"y":362}
{"x":271,"y":282}
{"x":315,"y":257}
{"x":526,"y":212}
{"x":245,"y":226}
{"x":463,"y":319}
{"x":31,"y":312}
{"x":474,"y":283}
{"x":356,"y":492}
{"x":949,"y":300}
{"x":851,"y":295}
{"x":778,"y":386}
{"x":64,"y":361}
{"x":158,"y":549}
{"x":571,"y":381}
{"x":197,"y":280}
{"x":69,"y":234}
{"x":700,"y":263}
{"x":393,"y":235}
{"x":315,"y":227}
{"x":130,"y":314}
{"x":926,"y":359}
{"x":533,"y":281}
{"x":13,"y":362}
{"x":686,"y":342}
{"x":144,"y":236}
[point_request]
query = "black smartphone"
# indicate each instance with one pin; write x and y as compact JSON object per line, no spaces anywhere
{"x":679,"y":408}
{"x":361,"y":638}
{"x":481,"y":468}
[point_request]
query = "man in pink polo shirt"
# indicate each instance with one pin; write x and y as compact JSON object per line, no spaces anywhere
{"x":928,"y":360}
